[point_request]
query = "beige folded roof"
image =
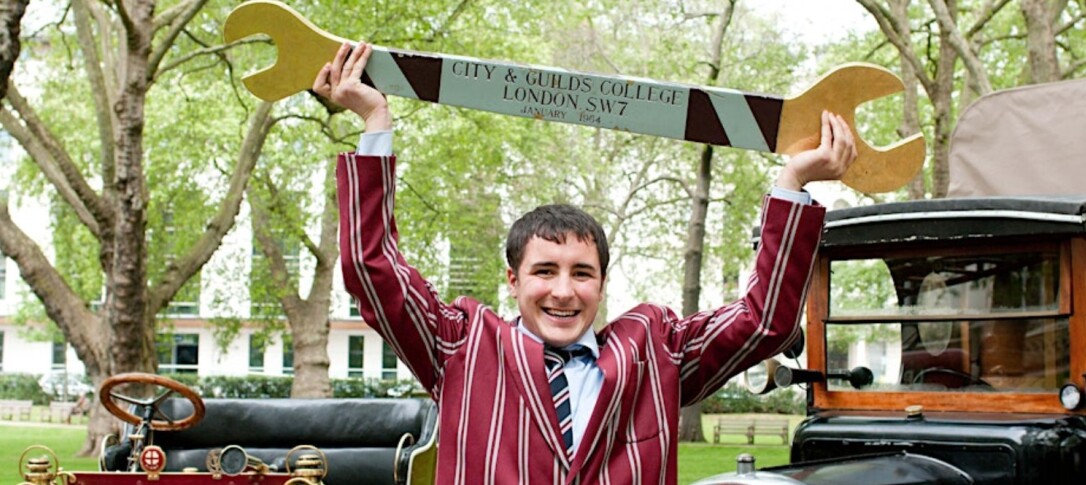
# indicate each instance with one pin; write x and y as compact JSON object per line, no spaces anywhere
{"x":1023,"y":141}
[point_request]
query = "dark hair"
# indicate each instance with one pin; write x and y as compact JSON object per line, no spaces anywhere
{"x":553,"y":222}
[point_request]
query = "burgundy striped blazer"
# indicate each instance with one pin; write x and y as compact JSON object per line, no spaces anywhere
{"x":497,"y":421}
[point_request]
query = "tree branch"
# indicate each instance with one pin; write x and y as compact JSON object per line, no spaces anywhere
{"x":1001,"y":38}
{"x":1070,"y":23}
{"x":178,"y":24}
{"x":987,"y":12}
{"x":893,"y":29}
{"x":638,"y":211}
{"x":327,"y":251}
{"x":978,"y":76}
{"x":62,"y":304}
{"x":208,"y":51}
{"x":101,"y":92}
{"x":49,"y":168}
{"x":223,"y":221}
{"x":681,"y":183}
{"x":55,"y":162}
{"x":275,"y":205}
{"x":276,"y":264}
{"x":1073,"y":68}
{"x":167,"y":17}
{"x":456,"y":13}
{"x":126,"y":18}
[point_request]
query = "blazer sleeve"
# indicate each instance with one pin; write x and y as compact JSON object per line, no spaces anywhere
{"x":712,"y":346}
{"x":392,"y":297}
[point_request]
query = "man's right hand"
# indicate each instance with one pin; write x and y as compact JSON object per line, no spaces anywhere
{"x":341,"y":81}
{"x":829,"y":161}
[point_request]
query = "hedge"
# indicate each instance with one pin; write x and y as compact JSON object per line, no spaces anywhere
{"x":265,"y":387}
{"x":734,"y":398}
{"x":22,"y":387}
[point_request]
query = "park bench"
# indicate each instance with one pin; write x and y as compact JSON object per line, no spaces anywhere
{"x":751,"y":427}
{"x":12,"y":410}
{"x":60,"y":412}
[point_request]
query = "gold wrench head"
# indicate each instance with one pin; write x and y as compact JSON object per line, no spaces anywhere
{"x":294,"y":68}
{"x":876,"y":169}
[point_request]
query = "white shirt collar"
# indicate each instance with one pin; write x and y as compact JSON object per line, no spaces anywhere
{"x":587,"y":339}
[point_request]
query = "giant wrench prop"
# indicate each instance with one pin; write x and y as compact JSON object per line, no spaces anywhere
{"x":701,"y":114}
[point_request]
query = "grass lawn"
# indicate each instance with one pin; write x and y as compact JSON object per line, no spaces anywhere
{"x":696,"y":460}
{"x":703,"y":460}
{"x":63,"y":440}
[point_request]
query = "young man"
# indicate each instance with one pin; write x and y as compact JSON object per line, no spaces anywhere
{"x":542,"y":398}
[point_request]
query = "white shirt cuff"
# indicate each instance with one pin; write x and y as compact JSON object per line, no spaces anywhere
{"x":376,"y":144}
{"x":801,"y":197}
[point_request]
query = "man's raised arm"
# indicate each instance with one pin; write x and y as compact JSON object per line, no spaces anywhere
{"x":392,"y":297}
{"x":718,"y":344}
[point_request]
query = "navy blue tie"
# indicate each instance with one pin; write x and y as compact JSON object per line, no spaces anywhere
{"x":556,"y":361}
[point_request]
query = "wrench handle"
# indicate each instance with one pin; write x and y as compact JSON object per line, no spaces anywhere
{"x":700,"y":114}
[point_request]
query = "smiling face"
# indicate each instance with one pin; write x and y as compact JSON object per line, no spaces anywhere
{"x":558,"y":288}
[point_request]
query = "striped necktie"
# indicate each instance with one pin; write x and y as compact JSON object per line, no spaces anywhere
{"x":556,"y":361}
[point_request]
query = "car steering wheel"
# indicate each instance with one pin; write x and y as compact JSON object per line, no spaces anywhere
{"x":166,"y":423}
{"x":919,"y":378}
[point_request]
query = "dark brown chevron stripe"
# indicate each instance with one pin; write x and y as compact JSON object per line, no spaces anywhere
{"x":702,"y":123}
{"x":423,"y":72}
{"x":767,"y":110}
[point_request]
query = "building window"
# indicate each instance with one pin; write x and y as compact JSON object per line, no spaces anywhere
{"x":178,"y":353}
{"x":388,"y":361}
{"x":257,"y":344}
{"x":60,"y":355}
{"x":354,"y":309}
{"x":288,"y":355}
{"x":355,"y":353}
{"x":186,"y":303}
{"x":1,"y":351}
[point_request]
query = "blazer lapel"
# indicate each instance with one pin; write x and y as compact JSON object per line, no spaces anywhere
{"x":612,"y":363}
{"x":524,"y":362}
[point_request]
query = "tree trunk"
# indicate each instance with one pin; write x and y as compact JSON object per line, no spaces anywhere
{"x":1044,"y":66}
{"x":942,"y":100}
{"x":309,"y":331}
{"x":100,"y":423}
{"x":308,"y":317}
{"x":946,"y":14}
{"x":132,"y":343}
{"x":11,"y":14}
{"x":690,"y":416}
{"x":910,"y":120}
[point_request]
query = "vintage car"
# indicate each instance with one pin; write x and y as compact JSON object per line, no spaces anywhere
{"x":187,"y":440}
{"x":946,"y":339}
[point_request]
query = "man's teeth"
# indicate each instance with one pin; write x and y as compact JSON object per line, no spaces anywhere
{"x":562,"y":313}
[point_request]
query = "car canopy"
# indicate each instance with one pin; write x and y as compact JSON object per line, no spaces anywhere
{"x":955,"y":219}
{"x":1023,"y":141}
